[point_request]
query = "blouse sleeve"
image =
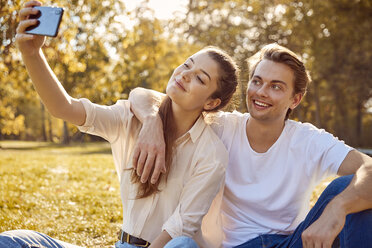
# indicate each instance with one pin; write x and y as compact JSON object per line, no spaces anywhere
{"x":106,"y":121}
{"x":196,"y":198}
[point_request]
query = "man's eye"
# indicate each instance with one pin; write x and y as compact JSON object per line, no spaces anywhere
{"x":255,"y":82}
{"x":276,"y":87}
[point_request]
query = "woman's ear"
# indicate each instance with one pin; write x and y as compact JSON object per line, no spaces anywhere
{"x":212,"y":103}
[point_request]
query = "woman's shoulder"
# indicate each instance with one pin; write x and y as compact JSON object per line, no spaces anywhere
{"x":211,"y":145}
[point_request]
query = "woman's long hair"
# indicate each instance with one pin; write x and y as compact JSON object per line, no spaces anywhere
{"x":226,"y":85}
{"x":169,"y":130}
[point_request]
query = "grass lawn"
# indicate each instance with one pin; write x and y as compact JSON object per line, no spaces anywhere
{"x":68,"y":192}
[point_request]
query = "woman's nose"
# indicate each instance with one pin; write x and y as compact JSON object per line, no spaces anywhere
{"x":186,"y":75}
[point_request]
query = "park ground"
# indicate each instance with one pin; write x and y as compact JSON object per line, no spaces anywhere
{"x":68,"y":192}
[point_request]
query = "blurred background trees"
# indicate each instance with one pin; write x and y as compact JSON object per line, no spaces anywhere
{"x":104,"y":50}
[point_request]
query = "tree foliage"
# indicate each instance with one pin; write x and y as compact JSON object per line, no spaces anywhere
{"x":104,"y":50}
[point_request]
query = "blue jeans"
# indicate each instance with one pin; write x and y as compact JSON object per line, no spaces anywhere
{"x":32,"y":239}
{"x":356,"y":232}
{"x":181,"y":242}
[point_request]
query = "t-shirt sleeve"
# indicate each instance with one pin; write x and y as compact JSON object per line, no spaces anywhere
{"x":223,"y":123}
{"x":105,"y":121}
{"x":196,"y":198}
{"x":327,"y":151}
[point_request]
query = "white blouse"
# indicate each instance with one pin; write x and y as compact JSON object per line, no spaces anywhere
{"x":196,"y":175}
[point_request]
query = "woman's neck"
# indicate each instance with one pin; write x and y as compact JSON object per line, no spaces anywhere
{"x":184,"y":120}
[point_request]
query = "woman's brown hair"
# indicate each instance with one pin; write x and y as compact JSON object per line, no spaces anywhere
{"x":226,"y":85}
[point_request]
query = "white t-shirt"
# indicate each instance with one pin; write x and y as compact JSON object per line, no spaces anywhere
{"x":269,"y":193}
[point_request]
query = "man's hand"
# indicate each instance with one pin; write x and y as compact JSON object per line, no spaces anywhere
{"x":324,"y":231}
{"x":149,"y":152}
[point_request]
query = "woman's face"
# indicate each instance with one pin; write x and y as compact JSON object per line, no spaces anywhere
{"x":193,"y":82}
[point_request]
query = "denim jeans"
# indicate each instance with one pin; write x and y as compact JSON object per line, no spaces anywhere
{"x":181,"y":242}
{"x":357,"y":231}
{"x":32,"y":239}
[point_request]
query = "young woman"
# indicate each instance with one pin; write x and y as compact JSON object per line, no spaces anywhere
{"x":195,"y":158}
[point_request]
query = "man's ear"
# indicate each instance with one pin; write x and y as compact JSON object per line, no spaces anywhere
{"x":212,"y":103}
{"x":296,"y":100}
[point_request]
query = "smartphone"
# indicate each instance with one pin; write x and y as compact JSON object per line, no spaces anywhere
{"x":49,"y":19}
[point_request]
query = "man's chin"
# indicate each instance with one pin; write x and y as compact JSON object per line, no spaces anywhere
{"x":259,"y":116}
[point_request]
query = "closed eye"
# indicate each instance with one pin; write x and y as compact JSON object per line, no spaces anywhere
{"x":186,"y":65}
{"x":201,"y":81}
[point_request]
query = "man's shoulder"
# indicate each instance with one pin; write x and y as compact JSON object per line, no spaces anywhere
{"x":209,"y":137}
{"x":226,"y":123}
{"x":230,"y":117}
{"x":308,"y":133}
{"x":303,"y":127}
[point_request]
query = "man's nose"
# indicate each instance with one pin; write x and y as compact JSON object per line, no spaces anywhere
{"x":262,"y":91}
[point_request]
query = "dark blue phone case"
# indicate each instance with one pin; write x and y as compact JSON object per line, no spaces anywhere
{"x":49,"y":20}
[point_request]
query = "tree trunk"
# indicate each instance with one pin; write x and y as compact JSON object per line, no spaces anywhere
{"x":43,"y":122}
{"x":317,"y":105}
{"x":66,"y":137}
{"x":50,"y":129}
{"x":359,"y":124}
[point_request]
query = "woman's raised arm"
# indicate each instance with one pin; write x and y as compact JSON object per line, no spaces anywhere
{"x":50,"y":90}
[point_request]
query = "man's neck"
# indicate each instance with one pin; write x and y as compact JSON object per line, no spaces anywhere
{"x":262,"y":135}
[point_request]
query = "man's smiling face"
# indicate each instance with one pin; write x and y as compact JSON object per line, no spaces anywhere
{"x":270,"y":91}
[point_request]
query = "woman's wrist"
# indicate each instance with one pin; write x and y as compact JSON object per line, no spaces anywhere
{"x":32,"y":54}
{"x":152,"y":120}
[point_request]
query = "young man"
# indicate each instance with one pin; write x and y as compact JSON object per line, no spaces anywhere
{"x":274,"y":165}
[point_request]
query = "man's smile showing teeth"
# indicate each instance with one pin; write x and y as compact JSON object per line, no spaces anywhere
{"x":261,"y":104}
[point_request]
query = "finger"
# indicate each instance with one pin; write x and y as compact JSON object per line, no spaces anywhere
{"x":309,"y":244}
{"x":136,"y":154}
{"x":148,"y":167}
{"x":158,"y":169}
{"x":32,"y":3}
{"x":141,"y":163}
{"x":24,"y":13}
{"x":305,"y":243}
{"x":326,"y":245}
{"x":24,"y":37}
{"x":161,"y":163}
{"x":318,"y":244}
{"x":23,"y":25}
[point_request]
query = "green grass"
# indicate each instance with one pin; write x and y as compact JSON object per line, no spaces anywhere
{"x":68,"y":192}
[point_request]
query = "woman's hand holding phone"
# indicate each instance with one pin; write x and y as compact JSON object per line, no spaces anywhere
{"x":28,"y":44}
